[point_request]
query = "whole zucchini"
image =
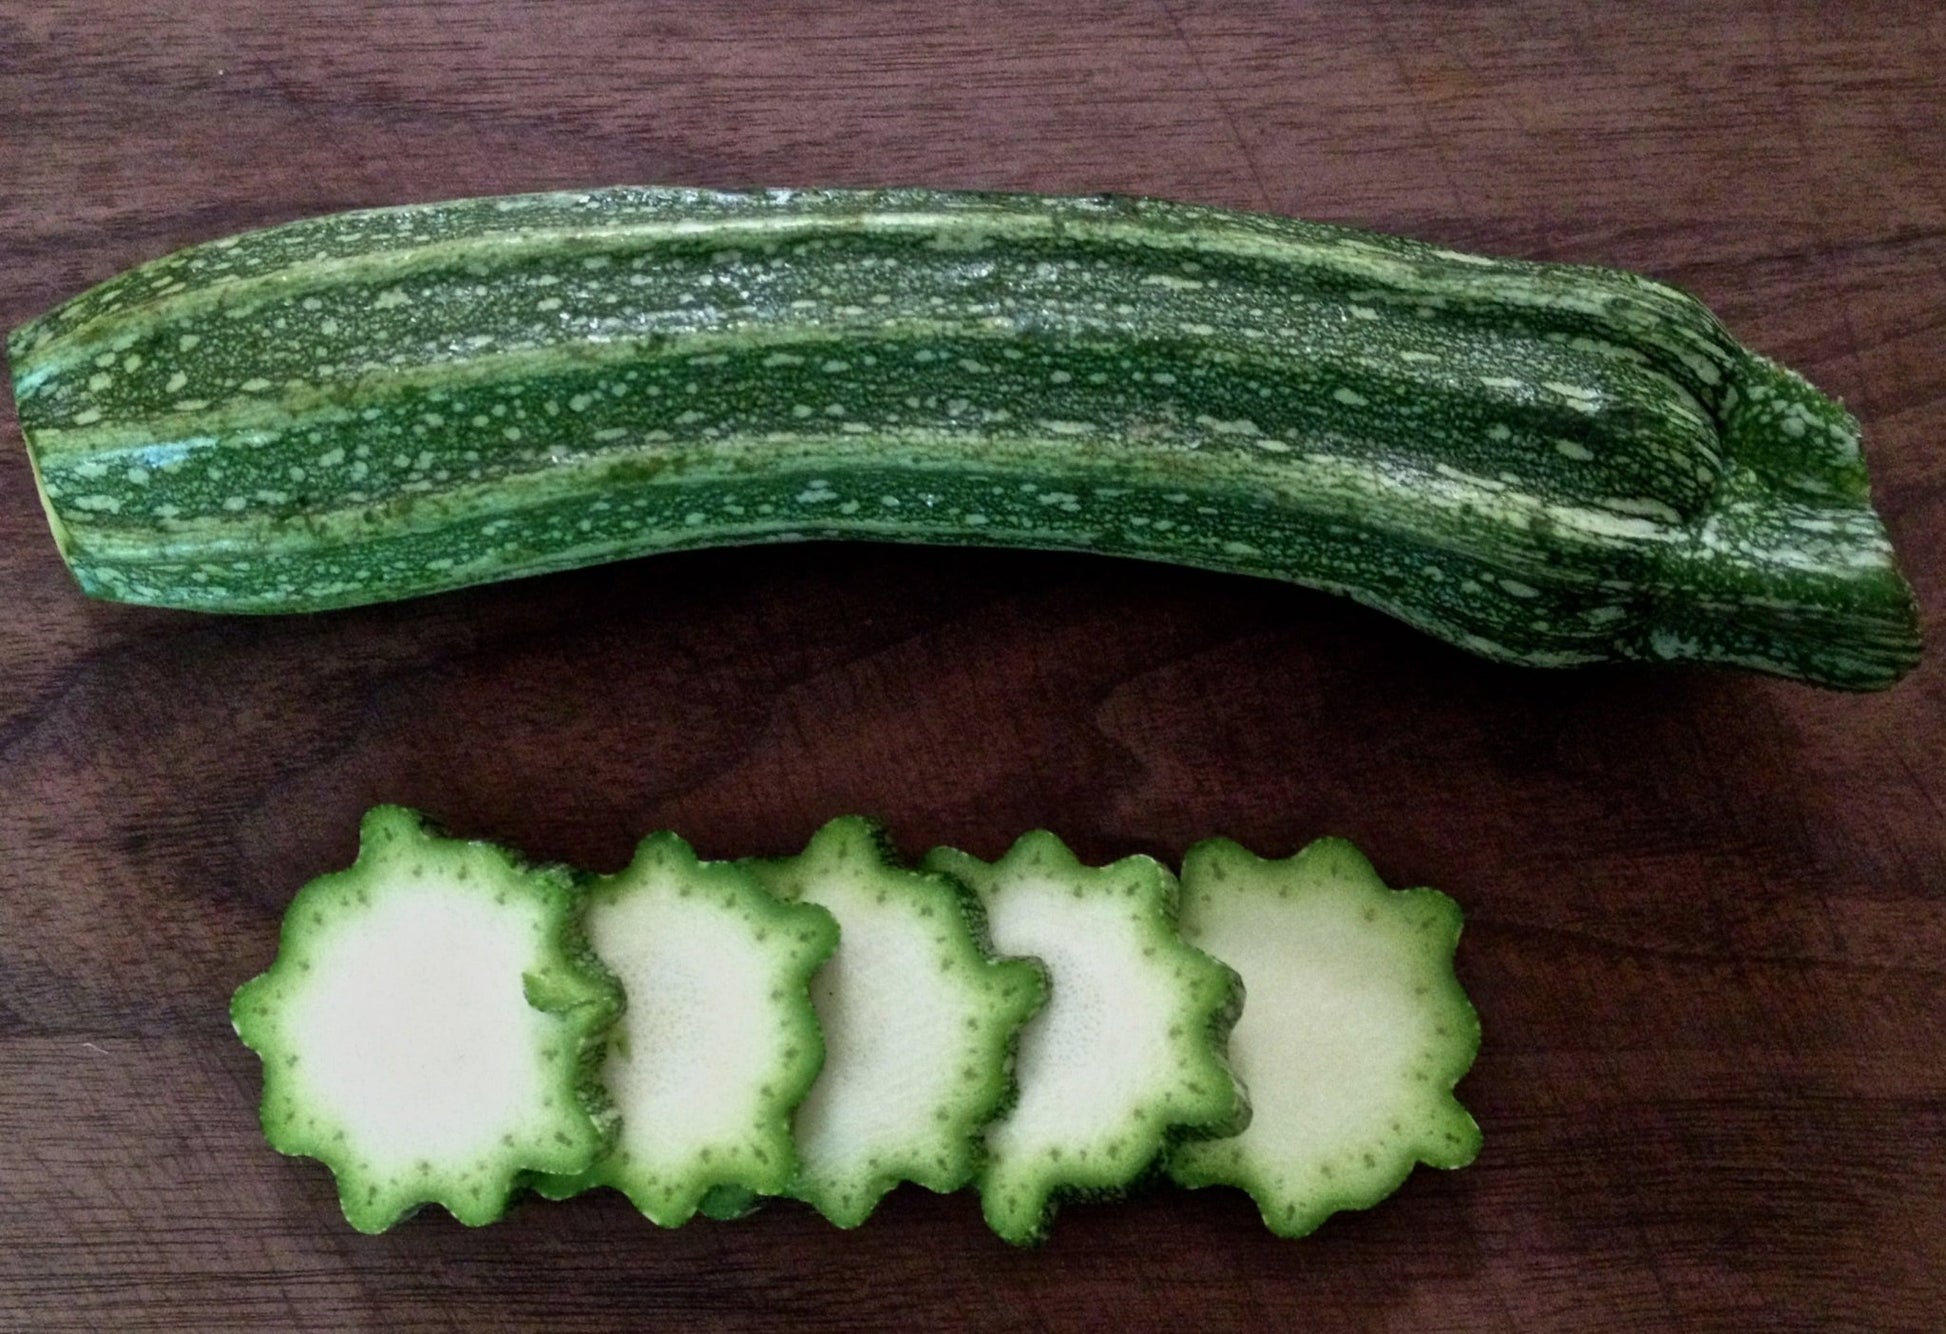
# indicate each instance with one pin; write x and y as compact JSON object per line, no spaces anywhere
{"x":1543,"y":463}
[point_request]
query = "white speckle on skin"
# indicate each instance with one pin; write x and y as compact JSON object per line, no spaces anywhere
{"x":1351,"y":398}
{"x":390,"y":298}
{"x":1238,"y":427}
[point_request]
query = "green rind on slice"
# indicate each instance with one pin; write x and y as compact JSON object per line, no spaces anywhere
{"x":1353,"y":1036}
{"x":919,"y":1025}
{"x":726,"y":1204}
{"x":399,"y":1044}
{"x":1127,"y":1055}
{"x":719,"y":1041}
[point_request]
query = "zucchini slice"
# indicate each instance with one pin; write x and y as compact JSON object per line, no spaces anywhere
{"x":1353,"y":1035}
{"x":427,"y":1026}
{"x":1127,"y":1055}
{"x":719,"y":1041}
{"x":919,"y":1025}
{"x":1542,"y":463}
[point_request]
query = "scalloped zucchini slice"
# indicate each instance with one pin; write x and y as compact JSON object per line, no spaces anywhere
{"x":1127,"y":1055}
{"x":919,"y":1025}
{"x":425,"y":1025}
{"x":1353,"y":1035}
{"x":719,"y":1041}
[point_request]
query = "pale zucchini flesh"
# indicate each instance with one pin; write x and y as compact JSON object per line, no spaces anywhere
{"x":1353,"y":1033}
{"x":919,"y":1025}
{"x":1127,"y":1055}
{"x":1545,"y":464}
{"x":427,"y":1027}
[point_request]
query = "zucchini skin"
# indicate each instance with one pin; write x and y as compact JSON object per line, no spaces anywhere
{"x":1545,"y":464}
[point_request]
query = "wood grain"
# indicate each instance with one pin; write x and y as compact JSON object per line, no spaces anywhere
{"x":1707,"y":914}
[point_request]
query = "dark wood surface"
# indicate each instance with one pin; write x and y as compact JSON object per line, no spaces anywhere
{"x":1707,"y":913}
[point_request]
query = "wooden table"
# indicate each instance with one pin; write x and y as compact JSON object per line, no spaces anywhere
{"x":1707,"y":913}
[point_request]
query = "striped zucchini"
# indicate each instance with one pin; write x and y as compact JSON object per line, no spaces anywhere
{"x":1545,"y":464}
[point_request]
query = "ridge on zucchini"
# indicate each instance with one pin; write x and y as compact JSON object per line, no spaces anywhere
{"x":427,"y":1026}
{"x":1542,"y":463}
{"x":1352,"y":1036}
{"x":1126,"y":1057}
{"x":919,"y":1024}
{"x":718,"y":1042}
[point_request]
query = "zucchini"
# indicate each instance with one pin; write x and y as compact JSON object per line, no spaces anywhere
{"x":919,"y":1025}
{"x":1353,"y":1032}
{"x":1127,"y":1056}
{"x":718,"y":1042}
{"x":1542,"y":463}
{"x":428,"y":1027}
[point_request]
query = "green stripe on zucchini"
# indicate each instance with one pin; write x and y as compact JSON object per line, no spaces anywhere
{"x":1543,"y":463}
